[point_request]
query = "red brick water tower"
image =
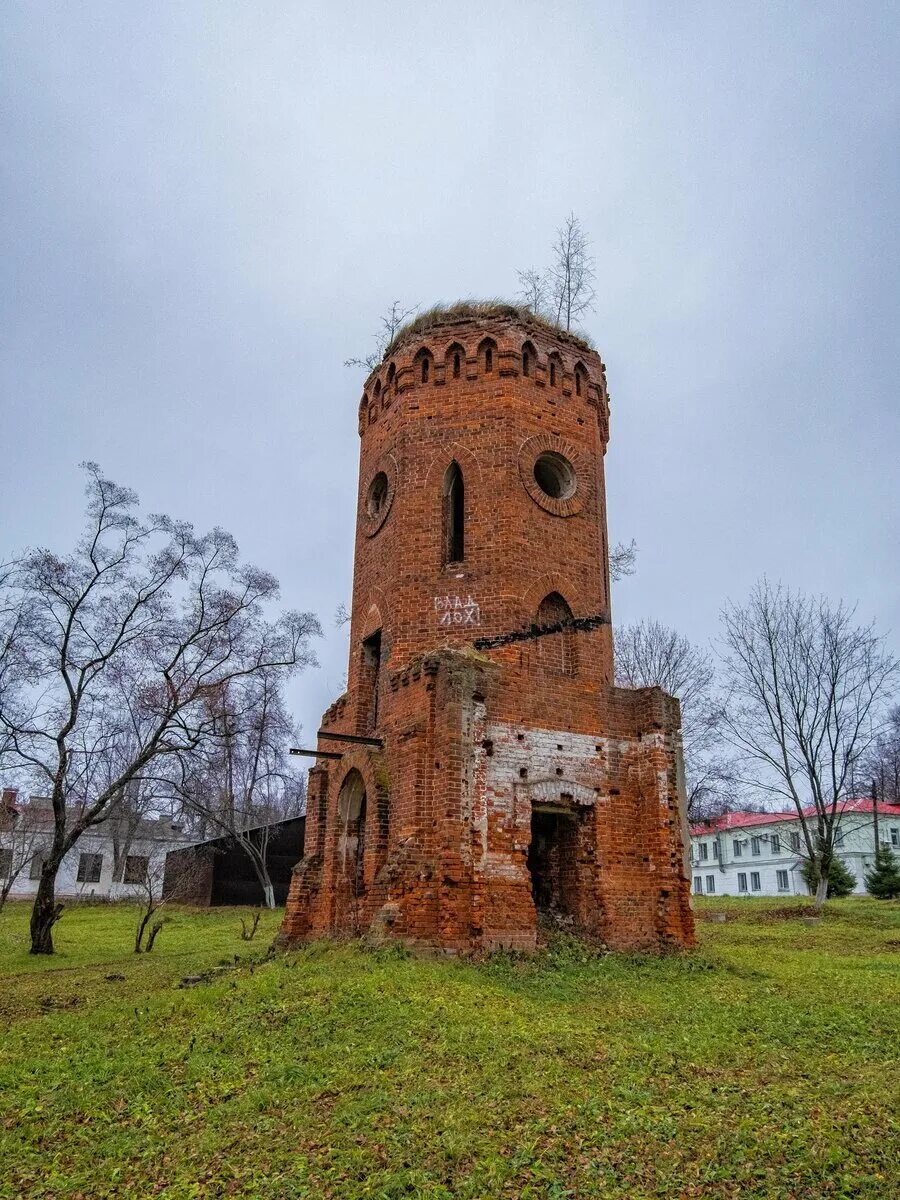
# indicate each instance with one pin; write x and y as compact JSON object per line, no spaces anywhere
{"x":481,"y":766}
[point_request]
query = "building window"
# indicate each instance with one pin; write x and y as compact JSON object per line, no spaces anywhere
{"x":742,"y":881}
{"x":795,"y":842}
{"x":371,"y":672}
{"x":136,"y":866}
{"x":698,"y":885}
{"x":782,"y":881}
{"x":5,"y":864}
{"x":755,"y":885}
{"x":895,"y":836}
{"x":377,"y":495}
{"x":555,"y":476}
{"x":454,"y":515}
{"x":775,"y":844}
{"x":37,"y":866}
{"x":704,"y":851}
{"x":754,"y":846}
{"x":737,"y":848}
{"x":715,"y":847}
{"x":710,"y":884}
{"x":89,"y":868}
{"x":425,"y":368}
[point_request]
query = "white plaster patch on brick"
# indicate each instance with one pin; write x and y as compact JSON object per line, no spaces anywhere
{"x":538,"y":753}
{"x":497,"y":865}
{"x":474,"y":778}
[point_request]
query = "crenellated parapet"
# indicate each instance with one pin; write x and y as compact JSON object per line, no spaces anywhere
{"x":561,"y":368}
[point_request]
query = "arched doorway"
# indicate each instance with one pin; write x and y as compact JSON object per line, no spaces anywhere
{"x":352,"y":830}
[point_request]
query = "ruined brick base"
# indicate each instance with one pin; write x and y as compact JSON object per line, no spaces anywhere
{"x":468,"y":821}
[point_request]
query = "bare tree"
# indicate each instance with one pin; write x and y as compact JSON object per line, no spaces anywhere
{"x":881,"y":766}
{"x":20,"y":840}
{"x":565,"y":292}
{"x":242,"y":782}
{"x":391,"y":323}
{"x":807,"y":687}
{"x":571,"y":277}
{"x":138,"y":800}
{"x":649,"y":654}
{"x":151,"y":902}
{"x":534,"y":290}
{"x":622,"y":560}
{"x":110,"y":657}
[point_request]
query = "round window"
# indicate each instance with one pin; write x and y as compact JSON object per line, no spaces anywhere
{"x":377,"y":495}
{"x":555,"y":476}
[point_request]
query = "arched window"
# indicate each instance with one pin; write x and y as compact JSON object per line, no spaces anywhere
{"x":392,"y":372}
{"x":456,"y":356}
{"x":556,"y":646}
{"x":370,"y":678}
{"x":529,"y":358}
{"x":486,"y":352}
{"x":554,"y":370}
{"x":352,"y":818}
{"x":580,"y":380}
{"x":423,"y":365}
{"x":376,"y":391}
{"x":454,"y":513}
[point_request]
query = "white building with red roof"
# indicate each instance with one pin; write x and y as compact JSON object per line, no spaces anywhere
{"x":762,"y":854}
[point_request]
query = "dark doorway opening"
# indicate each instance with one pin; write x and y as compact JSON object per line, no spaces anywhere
{"x":552,"y":860}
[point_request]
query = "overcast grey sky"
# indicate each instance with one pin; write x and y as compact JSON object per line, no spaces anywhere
{"x":205,"y":207}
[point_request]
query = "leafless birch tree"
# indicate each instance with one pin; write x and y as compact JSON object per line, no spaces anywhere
{"x":242,"y":780}
{"x":20,"y":840}
{"x":111,"y":657}
{"x":622,"y":560}
{"x":881,"y":767}
{"x":534,"y":290}
{"x":806,"y":693}
{"x":649,"y":654}
{"x":571,"y":279}
{"x":391,"y":322}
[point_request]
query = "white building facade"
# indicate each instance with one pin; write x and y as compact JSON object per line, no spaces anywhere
{"x":107,"y":862}
{"x":762,"y":854}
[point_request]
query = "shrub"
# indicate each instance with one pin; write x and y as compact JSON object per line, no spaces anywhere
{"x":883,"y":881}
{"x":841,"y":881}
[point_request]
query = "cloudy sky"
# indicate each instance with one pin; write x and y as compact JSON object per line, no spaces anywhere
{"x":204,"y":207}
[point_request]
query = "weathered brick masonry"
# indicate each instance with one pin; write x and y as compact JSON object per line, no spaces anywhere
{"x":512,"y":774}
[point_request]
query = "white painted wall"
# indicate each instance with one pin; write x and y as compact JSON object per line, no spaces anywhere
{"x":67,"y":884}
{"x":730,"y":854}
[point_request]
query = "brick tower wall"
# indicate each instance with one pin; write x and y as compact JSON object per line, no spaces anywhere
{"x":509,"y":769}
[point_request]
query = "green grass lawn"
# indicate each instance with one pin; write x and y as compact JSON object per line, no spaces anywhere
{"x":765,"y":1064}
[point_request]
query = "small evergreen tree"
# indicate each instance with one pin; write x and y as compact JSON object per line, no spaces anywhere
{"x":883,"y":880}
{"x":841,"y":881}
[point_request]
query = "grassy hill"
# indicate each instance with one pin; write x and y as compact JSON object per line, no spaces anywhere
{"x":764,"y":1065}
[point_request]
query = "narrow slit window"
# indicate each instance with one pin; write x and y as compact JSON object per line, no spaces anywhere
{"x":454,"y":515}
{"x":425,"y":366}
{"x":456,"y":365}
{"x":489,"y":359}
{"x":553,"y":374}
{"x":371,"y":672}
{"x":526,"y":363}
